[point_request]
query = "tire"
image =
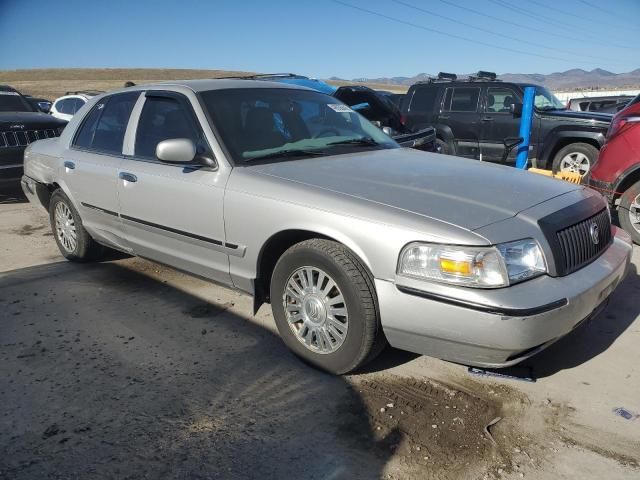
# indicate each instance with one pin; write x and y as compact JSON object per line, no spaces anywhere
{"x":443,"y":147}
{"x":84,"y":248}
{"x":629,"y":212}
{"x":575,"y":157}
{"x":308,"y":312}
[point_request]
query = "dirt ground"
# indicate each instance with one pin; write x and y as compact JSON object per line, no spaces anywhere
{"x":125,"y":369}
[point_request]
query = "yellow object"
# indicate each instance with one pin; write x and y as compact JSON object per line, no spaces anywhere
{"x":571,"y":177}
{"x":457,"y":267}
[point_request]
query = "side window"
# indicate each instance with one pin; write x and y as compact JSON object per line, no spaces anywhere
{"x":78,"y":103}
{"x":499,"y":99}
{"x":104,"y":127}
{"x":465,"y":99}
{"x":446,"y":103}
{"x":65,"y":106}
{"x":163,"y":118}
{"x":423,"y":100}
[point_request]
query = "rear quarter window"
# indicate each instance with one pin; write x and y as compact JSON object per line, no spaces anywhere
{"x":423,"y":100}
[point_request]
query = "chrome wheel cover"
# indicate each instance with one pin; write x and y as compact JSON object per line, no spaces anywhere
{"x":316,"y":310}
{"x":575,"y":162}
{"x":65,"y":227}
{"x":634,"y":213}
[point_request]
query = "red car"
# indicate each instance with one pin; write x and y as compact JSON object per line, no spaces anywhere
{"x":616,"y":174}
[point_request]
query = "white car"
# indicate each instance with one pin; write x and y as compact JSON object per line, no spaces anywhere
{"x":66,"y":106}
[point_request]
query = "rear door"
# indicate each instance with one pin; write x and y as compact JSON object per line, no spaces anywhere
{"x":460,"y":112}
{"x":90,"y":165}
{"x":498,"y":123}
{"x":173,"y":213}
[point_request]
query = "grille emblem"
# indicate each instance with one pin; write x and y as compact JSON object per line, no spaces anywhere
{"x":17,"y":126}
{"x":594,"y":231}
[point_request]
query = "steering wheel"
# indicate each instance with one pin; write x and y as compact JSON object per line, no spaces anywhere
{"x":328,"y":132}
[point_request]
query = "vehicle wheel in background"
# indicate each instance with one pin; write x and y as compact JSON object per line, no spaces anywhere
{"x":629,"y":212}
{"x":443,"y":147}
{"x":73,"y":240}
{"x":575,"y":157}
{"x":323,"y":302}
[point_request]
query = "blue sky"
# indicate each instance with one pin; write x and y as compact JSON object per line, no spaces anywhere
{"x":323,"y":38}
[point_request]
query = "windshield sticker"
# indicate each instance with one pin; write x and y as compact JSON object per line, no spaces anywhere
{"x":2,"y":92}
{"x":337,"y":107}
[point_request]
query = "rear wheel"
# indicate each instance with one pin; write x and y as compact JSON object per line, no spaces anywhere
{"x":73,"y":240}
{"x":576,"y":158}
{"x":323,"y":302}
{"x":629,"y":211}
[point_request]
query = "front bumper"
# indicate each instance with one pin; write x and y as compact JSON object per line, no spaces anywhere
{"x":499,"y":328}
{"x":605,"y":188}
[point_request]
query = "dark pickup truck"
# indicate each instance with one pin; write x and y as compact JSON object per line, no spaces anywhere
{"x":474,"y":116}
{"x":21,"y":124}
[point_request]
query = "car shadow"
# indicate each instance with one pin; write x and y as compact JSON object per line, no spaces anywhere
{"x":588,"y":340}
{"x":11,"y":193}
{"x":108,"y":373}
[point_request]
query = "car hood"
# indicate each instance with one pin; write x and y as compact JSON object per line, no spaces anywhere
{"x":587,"y":116}
{"x":466,"y":193}
{"x":28,"y":120}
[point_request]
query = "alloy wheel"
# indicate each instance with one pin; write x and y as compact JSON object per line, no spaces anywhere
{"x":65,"y":227}
{"x":575,"y":162}
{"x":315,"y":310}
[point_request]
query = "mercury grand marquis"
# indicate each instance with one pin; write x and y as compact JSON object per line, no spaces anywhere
{"x":292,"y":197}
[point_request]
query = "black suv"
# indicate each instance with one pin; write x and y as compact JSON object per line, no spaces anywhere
{"x":20,"y":124}
{"x":474,"y":116}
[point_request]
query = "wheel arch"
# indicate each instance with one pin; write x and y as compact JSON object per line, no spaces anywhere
{"x":627,"y":179}
{"x":280,"y":242}
{"x":559,"y":139}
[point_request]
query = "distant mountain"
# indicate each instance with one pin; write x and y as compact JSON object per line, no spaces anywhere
{"x":574,"y":79}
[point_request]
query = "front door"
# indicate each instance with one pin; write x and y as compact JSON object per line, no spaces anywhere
{"x":460,"y":112}
{"x":90,"y":166}
{"x":171,"y":213}
{"x":499,"y":123}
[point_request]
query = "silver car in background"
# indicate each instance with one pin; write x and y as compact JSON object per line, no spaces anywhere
{"x":292,"y":197}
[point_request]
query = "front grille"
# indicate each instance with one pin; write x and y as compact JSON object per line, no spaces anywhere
{"x":22,"y":138}
{"x":577,"y":245}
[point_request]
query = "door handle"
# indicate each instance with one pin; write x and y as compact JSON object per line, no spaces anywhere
{"x":129,"y":177}
{"x":487,"y":119}
{"x":69,"y":165}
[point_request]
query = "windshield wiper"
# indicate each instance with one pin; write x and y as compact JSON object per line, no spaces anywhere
{"x":356,"y":141}
{"x":294,"y":152}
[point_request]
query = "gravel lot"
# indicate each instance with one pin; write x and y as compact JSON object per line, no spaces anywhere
{"x":127,"y":369}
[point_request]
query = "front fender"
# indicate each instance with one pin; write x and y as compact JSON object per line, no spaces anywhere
{"x":573,"y":133}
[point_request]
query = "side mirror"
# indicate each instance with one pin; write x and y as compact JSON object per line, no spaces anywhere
{"x":44,"y":107}
{"x":387,"y":130}
{"x":516,"y":109}
{"x":182,"y":150}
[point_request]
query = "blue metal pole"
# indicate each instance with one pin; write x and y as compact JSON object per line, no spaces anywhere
{"x":525,"y":127}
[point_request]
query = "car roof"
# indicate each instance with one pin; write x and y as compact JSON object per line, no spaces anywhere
{"x":7,"y":88}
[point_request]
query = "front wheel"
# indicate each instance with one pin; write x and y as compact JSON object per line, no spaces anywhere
{"x":575,"y":158}
{"x":323,"y":302}
{"x":629,"y":212}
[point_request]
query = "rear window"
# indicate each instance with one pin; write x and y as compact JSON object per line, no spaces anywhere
{"x":461,"y":99}
{"x":423,"y":100}
{"x":104,"y":127}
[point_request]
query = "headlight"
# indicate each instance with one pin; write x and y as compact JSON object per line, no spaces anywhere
{"x":480,"y":267}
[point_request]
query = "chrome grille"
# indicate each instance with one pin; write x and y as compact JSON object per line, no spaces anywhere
{"x":22,"y":138}
{"x":576,"y":242}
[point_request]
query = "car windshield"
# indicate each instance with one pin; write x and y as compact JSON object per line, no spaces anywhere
{"x":545,"y":100}
{"x":280,"y":123}
{"x":13,"y":102}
